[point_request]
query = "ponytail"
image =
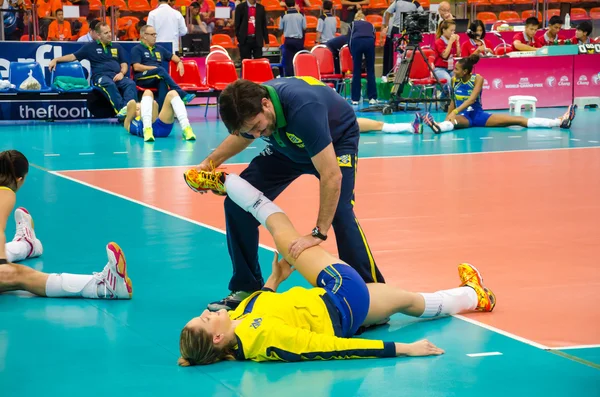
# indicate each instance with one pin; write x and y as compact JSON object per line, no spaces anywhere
{"x":13,"y":165}
{"x":468,"y":62}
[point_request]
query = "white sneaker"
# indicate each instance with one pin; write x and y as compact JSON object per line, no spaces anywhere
{"x":113,"y":282}
{"x":373,"y":102}
{"x":25,"y":232}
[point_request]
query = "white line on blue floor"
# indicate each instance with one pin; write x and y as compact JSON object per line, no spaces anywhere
{"x":487,"y":137}
{"x":155,"y":151}
{"x":514,"y":136}
{"x":593,"y":141}
{"x":87,"y":154}
{"x":370,"y":143}
{"x":458,"y":139}
{"x":484,"y":354}
{"x":119,"y":152}
{"x":51,"y":155}
{"x":575,"y":139}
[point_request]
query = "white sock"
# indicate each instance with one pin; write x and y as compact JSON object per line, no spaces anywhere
{"x":446,"y":126}
{"x":146,"y":111}
{"x":250,"y":198}
{"x":450,"y":301}
{"x":537,"y":122}
{"x":397,"y":127}
{"x":17,"y":250}
{"x":71,"y":285}
{"x":180,"y":112}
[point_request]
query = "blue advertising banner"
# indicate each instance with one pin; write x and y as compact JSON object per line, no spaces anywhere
{"x":45,"y":106}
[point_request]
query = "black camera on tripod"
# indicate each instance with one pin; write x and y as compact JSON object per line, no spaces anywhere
{"x":413,"y":26}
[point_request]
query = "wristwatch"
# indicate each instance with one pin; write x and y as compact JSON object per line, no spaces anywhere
{"x":317,"y":233}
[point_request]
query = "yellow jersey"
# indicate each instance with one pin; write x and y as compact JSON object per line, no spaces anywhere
{"x":296,"y":325}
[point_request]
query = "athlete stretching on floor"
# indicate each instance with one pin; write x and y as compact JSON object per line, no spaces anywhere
{"x":144,"y":120}
{"x":466,"y":111}
{"x":369,"y":125}
{"x":317,"y":323}
{"x":112,"y":283}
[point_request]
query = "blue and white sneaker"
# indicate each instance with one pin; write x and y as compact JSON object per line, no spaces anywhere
{"x":417,"y":124}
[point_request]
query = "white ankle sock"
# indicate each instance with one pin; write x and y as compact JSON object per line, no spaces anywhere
{"x":180,"y":112}
{"x":250,"y":198}
{"x":450,"y":301}
{"x":146,"y":111}
{"x":71,"y":285}
{"x":543,"y":123}
{"x":397,"y":127}
{"x":446,"y":126}
{"x":17,"y":250}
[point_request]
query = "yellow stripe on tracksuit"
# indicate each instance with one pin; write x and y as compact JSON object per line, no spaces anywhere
{"x":362,"y":234}
{"x":109,"y":98}
{"x":5,"y":188}
{"x":369,"y":254}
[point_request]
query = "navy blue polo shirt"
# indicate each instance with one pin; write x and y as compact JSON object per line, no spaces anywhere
{"x":104,"y":59}
{"x":310,"y":116}
{"x":146,"y":56}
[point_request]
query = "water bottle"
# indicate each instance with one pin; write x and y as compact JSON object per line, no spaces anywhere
{"x":451,"y":62}
{"x":567,"y":21}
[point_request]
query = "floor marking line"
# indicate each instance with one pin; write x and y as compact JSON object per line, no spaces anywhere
{"x":87,"y":154}
{"x":362,"y":158}
{"x":575,"y":347}
{"x":428,"y":140}
{"x":486,"y":137}
{"x":51,"y":155}
{"x":215,"y":229}
{"x":484,"y":354}
{"x":575,"y":139}
{"x":515,"y":136}
{"x":574,"y":358}
{"x":458,"y":139}
{"x":501,"y":332}
{"x":120,"y":152}
{"x":370,"y":143}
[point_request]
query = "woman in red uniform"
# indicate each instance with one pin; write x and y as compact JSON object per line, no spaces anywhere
{"x":477,"y":43}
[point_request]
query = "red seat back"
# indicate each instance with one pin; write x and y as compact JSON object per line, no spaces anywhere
{"x":305,"y":64}
{"x":257,"y":70}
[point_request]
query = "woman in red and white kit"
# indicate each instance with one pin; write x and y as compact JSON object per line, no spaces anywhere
{"x":477,"y":43}
{"x":447,"y":47}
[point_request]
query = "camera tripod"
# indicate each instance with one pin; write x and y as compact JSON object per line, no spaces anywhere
{"x":402,"y":77}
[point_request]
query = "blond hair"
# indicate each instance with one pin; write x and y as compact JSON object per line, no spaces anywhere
{"x":197,"y":348}
{"x":443,"y":26}
{"x":359,"y":16}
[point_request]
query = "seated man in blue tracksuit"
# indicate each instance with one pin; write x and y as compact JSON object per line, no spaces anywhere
{"x":361,"y":40}
{"x":335,"y":45}
{"x":293,"y":25}
{"x":109,"y":68}
{"x":147,"y":62}
{"x":310,"y":129}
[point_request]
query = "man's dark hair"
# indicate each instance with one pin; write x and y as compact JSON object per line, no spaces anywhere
{"x":586,"y":27}
{"x":532,"y":21}
{"x":556,"y":19}
{"x":239,"y":102}
{"x":59,"y":10}
{"x":195,"y":4}
{"x":93,"y":24}
{"x":327,"y":5}
{"x":290,"y":3}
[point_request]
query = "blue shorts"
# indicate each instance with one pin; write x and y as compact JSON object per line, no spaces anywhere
{"x":350,"y":295}
{"x":477,"y":118}
{"x":159,"y":128}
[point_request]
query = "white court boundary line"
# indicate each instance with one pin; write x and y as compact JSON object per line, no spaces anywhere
{"x":575,"y":347}
{"x":458,"y":316}
{"x":360,"y":158}
{"x":183,"y":218}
